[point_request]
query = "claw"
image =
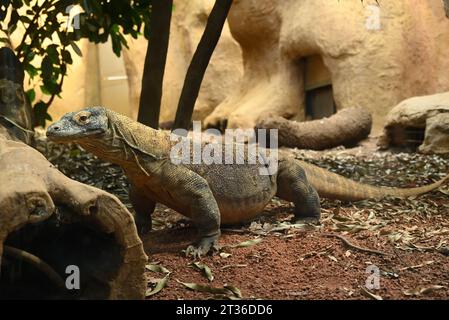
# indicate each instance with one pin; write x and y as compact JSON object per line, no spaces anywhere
{"x":203,"y":247}
{"x":195,"y":252}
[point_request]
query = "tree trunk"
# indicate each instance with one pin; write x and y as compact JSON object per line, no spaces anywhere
{"x":199,"y":63}
{"x":156,"y":56}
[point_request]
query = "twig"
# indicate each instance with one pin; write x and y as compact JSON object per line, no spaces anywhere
{"x":233,"y":230}
{"x":36,"y":262}
{"x":353,"y":246}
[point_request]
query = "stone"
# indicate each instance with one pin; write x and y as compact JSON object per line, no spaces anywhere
{"x":428,"y":113}
{"x":437,"y":135}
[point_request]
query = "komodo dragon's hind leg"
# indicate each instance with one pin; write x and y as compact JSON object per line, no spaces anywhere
{"x":144,"y":208}
{"x":292,"y":185}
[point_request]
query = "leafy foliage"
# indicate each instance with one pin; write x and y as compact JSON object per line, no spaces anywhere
{"x":44,"y":46}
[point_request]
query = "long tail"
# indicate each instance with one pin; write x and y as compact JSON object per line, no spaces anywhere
{"x":333,"y":186}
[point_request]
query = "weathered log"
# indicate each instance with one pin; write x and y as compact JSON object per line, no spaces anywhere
{"x":64,"y":223}
{"x":347,"y":127}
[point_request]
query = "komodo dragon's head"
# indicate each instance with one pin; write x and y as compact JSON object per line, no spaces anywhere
{"x":76,"y":126}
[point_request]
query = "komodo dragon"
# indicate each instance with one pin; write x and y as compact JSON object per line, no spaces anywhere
{"x":208,"y":194}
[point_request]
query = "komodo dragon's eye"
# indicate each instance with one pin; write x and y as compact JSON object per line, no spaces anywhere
{"x":82,"y":117}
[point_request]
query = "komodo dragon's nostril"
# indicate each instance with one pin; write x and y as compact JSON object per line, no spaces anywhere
{"x":55,"y":128}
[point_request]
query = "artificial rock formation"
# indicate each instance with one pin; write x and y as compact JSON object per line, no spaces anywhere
{"x":375,"y":57}
{"x":419,"y":121}
{"x":63,"y":222}
{"x":347,"y":127}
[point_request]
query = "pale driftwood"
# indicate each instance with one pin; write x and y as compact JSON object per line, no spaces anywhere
{"x":346,"y":127}
{"x":32,"y":188}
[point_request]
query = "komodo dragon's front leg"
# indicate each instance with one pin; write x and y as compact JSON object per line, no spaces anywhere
{"x":144,"y":208}
{"x":193,"y":194}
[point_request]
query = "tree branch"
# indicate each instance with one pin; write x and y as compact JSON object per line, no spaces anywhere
{"x":199,"y":63}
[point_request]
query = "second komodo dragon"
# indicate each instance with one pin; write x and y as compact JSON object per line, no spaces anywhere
{"x":209,"y":194}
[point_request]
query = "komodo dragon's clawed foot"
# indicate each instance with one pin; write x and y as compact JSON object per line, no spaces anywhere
{"x":202,"y":247}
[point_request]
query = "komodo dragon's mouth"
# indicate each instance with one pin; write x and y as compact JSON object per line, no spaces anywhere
{"x":39,"y":257}
{"x":60,"y":136}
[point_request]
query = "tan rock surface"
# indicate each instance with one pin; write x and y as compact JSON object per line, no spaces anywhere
{"x":437,"y":134}
{"x":371,"y":66}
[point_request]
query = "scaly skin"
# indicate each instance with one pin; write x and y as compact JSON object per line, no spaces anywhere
{"x":212,"y":194}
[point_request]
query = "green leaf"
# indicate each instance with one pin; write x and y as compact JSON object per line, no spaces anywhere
{"x":52,"y":52}
{"x":14,"y":18}
{"x":159,"y":286}
{"x":66,"y":57}
{"x":76,"y":48}
{"x":205,"y":269}
{"x":31,"y":94}
{"x":40,"y":114}
{"x":116,"y":45}
{"x":45,"y":91}
{"x":46,"y":67}
{"x":50,"y":87}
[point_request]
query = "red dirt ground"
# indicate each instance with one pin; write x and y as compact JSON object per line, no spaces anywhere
{"x":274,"y":268}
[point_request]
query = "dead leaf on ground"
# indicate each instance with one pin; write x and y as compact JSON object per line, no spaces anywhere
{"x":227,"y":290}
{"x":205,"y":270}
{"x":422,"y":290}
{"x":370,"y":294}
{"x":248,"y":243}
{"x":159,"y":286}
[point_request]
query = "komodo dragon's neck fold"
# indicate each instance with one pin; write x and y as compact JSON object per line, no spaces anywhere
{"x":128,"y":142}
